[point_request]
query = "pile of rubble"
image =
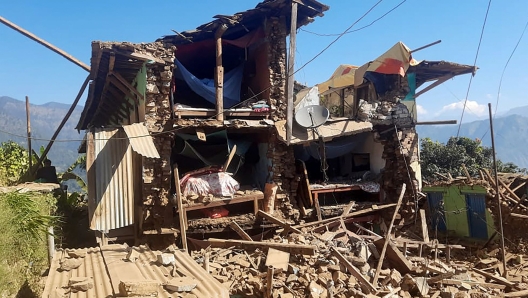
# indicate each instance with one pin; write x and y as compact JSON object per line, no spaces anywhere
{"x":327,"y":260}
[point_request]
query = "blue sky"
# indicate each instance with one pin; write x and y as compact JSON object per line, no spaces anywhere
{"x":30,"y":69}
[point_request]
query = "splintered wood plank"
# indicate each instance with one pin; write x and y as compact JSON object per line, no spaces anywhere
{"x":234,"y":225}
{"x":251,"y":245}
{"x":305,"y":184}
{"x":354,"y":271}
{"x":388,"y":235}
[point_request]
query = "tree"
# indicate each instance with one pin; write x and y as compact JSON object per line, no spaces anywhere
{"x":442,"y":158}
{"x":13,"y":161}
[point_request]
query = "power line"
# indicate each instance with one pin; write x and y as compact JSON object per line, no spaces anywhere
{"x":474,"y":65}
{"x":502,"y":75}
{"x":355,"y":30}
{"x":226,"y":110}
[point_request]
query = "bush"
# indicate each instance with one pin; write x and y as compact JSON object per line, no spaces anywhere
{"x":24,"y":220}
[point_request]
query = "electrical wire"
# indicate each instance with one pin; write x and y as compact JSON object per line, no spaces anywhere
{"x":502,"y":75}
{"x":358,"y":29}
{"x":474,"y":65}
{"x":226,"y":110}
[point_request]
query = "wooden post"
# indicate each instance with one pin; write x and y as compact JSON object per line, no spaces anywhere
{"x":425,"y":230}
{"x":291,"y":64}
{"x":388,"y":235}
{"x":497,"y":190}
{"x":181,"y":210}
{"x":269,"y":282}
{"x":63,"y":122}
{"x":28,"y":122}
{"x":206,"y":262}
{"x":44,"y":43}
{"x":219,"y":74}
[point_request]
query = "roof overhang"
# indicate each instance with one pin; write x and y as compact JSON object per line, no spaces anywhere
{"x":114,"y":67}
{"x":241,"y":23}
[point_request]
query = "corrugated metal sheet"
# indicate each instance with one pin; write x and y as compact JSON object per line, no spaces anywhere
{"x":113,"y":198}
{"x":476,"y":211}
{"x":92,"y":266}
{"x":436,"y":208}
{"x":141,"y":141}
{"x":108,"y":267}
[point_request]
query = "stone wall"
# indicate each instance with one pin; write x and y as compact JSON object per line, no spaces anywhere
{"x":284,"y":176}
{"x":398,"y":168}
{"x":157,"y":172}
{"x":276,"y":34}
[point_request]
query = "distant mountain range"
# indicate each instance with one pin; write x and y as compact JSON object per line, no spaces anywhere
{"x":45,"y":119}
{"x":511,"y":131}
{"x":511,"y":134}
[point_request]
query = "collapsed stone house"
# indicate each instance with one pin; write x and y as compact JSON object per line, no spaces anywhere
{"x":159,"y":115}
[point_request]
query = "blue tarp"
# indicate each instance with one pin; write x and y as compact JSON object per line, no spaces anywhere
{"x":206,"y":89}
{"x":333,"y":149}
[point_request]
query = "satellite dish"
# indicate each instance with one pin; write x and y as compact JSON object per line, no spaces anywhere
{"x":312,"y":116}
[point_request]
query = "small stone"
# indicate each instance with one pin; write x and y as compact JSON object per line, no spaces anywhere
{"x":76,"y":253}
{"x":132,"y":255}
{"x":291,"y":278}
{"x":70,"y":264}
{"x":181,"y":284}
{"x":80,"y":283}
{"x":166,"y":259}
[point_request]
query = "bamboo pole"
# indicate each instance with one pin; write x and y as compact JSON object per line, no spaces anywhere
{"x":28,"y":125}
{"x":497,"y":190}
{"x":64,"y":120}
{"x":44,"y":43}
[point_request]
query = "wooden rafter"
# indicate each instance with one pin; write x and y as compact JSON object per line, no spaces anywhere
{"x":130,"y":87}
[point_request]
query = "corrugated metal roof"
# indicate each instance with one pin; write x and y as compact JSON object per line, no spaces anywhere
{"x":113,"y":200}
{"x":92,"y":266}
{"x":107,"y":265}
{"x":140,"y":139}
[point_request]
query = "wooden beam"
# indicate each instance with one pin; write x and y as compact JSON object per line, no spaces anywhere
{"x":129,"y":87}
{"x":234,"y":225}
{"x":498,"y":279}
{"x":518,"y":215}
{"x":350,"y":215}
{"x":388,"y":235}
{"x":63,"y":122}
{"x":353,"y":270}
{"x":279,"y":222}
{"x":44,"y":43}
{"x":219,"y":73}
{"x":425,"y":229}
{"x":251,"y":245}
{"x":523,"y":293}
{"x":181,"y":210}
{"x":139,"y":56}
{"x":426,"y":46}
{"x":291,"y":70}
{"x":441,"y":122}
{"x":438,"y":82}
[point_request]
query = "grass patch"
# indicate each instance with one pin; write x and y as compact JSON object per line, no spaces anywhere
{"x":24,"y":219}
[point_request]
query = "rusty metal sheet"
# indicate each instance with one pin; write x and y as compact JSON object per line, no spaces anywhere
{"x":140,"y":139}
{"x":112,"y":195}
{"x":108,"y":266}
{"x":92,"y":266}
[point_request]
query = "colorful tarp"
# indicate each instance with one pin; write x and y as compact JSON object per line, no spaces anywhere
{"x":342,"y":76}
{"x":395,"y":61}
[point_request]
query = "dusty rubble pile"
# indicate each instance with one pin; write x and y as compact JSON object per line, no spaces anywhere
{"x":343,"y":264}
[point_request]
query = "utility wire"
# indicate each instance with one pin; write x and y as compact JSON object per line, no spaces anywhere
{"x":474,"y":65}
{"x":226,"y":110}
{"x":358,"y":29}
{"x":502,"y":75}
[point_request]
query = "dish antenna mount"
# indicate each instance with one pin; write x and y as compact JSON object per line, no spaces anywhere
{"x":312,"y":117}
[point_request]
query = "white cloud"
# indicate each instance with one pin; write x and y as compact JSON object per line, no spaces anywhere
{"x":421,"y":110}
{"x":471,"y":107}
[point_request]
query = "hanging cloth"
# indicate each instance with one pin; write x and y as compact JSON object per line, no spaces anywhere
{"x":206,"y":89}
